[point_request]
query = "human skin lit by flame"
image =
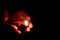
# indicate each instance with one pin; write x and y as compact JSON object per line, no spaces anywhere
{"x":15,"y":28}
{"x":19,"y":15}
{"x":30,"y":25}
{"x":28,"y":29}
{"x":5,"y":15}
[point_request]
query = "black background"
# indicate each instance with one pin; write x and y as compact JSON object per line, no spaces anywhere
{"x":38,"y":18}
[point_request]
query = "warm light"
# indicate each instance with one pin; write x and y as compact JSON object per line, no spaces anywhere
{"x":30,"y":25}
{"x":19,"y":18}
{"x":26,"y":23}
{"x":15,"y":27}
{"x":28,"y":29}
{"x":19,"y":32}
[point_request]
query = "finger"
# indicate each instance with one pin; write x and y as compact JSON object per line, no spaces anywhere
{"x":27,"y":29}
{"x":30,"y":25}
{"x":16,"y":29}
{"x":5,"y":15}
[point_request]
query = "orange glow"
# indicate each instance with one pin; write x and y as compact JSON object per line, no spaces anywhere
{"x":19,"y":32}
{"x":28,"y":29}
{"x":15,"y":27}
{"x":26,"y":23}
{"x":19,"y":18}
{"x":30,"y":25}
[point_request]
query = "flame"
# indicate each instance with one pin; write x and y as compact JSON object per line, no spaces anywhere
{"x":26,"y":23}
{"x":20,"y":15}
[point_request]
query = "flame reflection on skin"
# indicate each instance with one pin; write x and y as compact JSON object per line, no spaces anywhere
{"x":5,"y":15}
{"x":15,"y":28}
{"x":30,"y":25}
{"x":26,"y":23}
{"x":20,"y":15}
{"x":19,"y":32}
{"x":28,"y":29}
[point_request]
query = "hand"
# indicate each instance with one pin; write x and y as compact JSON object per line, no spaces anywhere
{"x":19,"y":18}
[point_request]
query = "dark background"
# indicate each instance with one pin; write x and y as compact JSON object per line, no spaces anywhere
{"x":38,"y":16}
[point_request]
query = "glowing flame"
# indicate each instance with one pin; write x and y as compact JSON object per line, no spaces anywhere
{"x":26,"y":23}
{"x":19,"y":18}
